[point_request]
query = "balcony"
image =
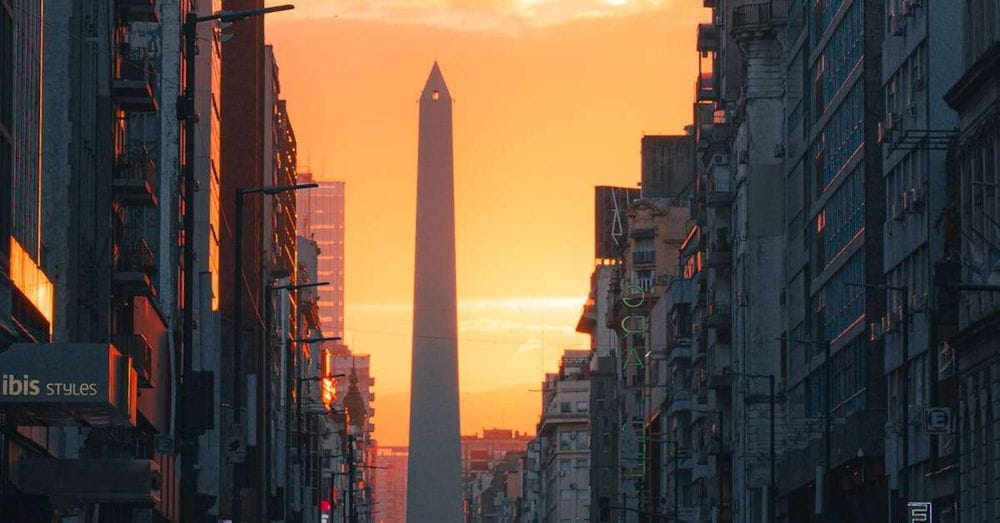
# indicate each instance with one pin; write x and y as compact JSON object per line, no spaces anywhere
{"x":681,"y":353}
{"x":719,"y":316}
{"x":720,"y":256}
{"x":757,"y":17}
{"x":136,"y":11}
{"x":134,"y":179}
{"x":138,"y":347}
{"x":134,"y":265}
{"x":708,"y":38}
{"x":719,"y":193}
{"x":705,"y":87}
{"x":135,"y":80}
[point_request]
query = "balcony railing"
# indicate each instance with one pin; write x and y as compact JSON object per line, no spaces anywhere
{"x":134,"y":177}
{"x":135,"y":80}
{"x":137,"y":346}
{"x":135,"y":264}
{"x":718,"y":315}
{"x":756,"y":15}
{"x":705,"y":87}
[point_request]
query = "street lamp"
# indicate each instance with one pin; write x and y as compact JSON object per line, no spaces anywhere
{"x":188,"y":114}
{"x":771,"y":398}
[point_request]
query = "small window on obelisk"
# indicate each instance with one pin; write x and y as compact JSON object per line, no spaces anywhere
{"x":435,"y":95}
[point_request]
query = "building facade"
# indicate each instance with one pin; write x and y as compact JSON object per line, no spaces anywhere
{"x":970,"y":359}
{"x":322,"y":219}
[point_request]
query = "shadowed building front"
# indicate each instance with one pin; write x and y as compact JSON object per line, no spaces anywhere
{"x":434,"y":479}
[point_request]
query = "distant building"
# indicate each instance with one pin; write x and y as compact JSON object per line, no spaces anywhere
{"x":390,"y":485}
{"x":479,"y":455}
{"x":321,"y":218}
{"x":564,"y":436}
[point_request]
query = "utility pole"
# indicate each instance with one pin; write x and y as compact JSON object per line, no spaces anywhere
{"x":189,"y":433}
{"x":352,"y":510}
{"x":827,"y":438}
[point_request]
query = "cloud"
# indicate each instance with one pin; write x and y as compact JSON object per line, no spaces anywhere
{"x":516,"y":304}
{"x":494,"y":16}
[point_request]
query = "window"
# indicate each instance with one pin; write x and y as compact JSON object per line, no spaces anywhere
{"x":643,"y":279}
{"x":582,"y":406}
{"x":644,"y":252}
{"x":566,"y":440}
{"x":435,"y":95}
{"x":581,"y":440}
{"x":564,"y":407}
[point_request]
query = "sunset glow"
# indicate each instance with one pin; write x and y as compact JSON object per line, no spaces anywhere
{"x":541,"y":116}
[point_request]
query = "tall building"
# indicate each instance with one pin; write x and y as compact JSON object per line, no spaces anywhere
{"x":321,"y":218}
{"x":83,"y":248}
{"x":970,"y":356}
{"x":917,"y":126}
{"x":434,"y":474}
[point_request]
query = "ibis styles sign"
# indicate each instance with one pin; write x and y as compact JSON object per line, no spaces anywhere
{"x":56,"y":373}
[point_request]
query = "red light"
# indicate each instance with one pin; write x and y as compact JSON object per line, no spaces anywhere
{"x":324,"y":506}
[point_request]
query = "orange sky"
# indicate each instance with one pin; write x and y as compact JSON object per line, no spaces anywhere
{"x":551,"y":98}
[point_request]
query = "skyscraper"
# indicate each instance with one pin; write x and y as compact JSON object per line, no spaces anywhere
{"x":434,"y":475}
{"x":321,"y":218}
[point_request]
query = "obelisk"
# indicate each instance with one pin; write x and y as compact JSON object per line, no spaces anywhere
{"x":434,"y":475}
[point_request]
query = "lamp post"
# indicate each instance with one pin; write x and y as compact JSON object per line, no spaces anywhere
{"x":188,"y":114}
{"x":265,"y":389}
{"x":297,"y":381}
{"x":771,"y":400}
{"x":238,"y":324}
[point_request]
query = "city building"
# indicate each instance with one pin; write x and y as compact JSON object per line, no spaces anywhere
{"x":86,"y":280}
{"x":480,"y":454}
{"x":564,"y":442}
{"x":667,"y":164}
{"x":321,"y":218}
{"x":917,"y":128}
{"x":971,"y":217}
{"x":390,"y":485}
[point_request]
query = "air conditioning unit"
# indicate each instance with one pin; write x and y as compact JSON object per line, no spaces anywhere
{"x":917,"y":200}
